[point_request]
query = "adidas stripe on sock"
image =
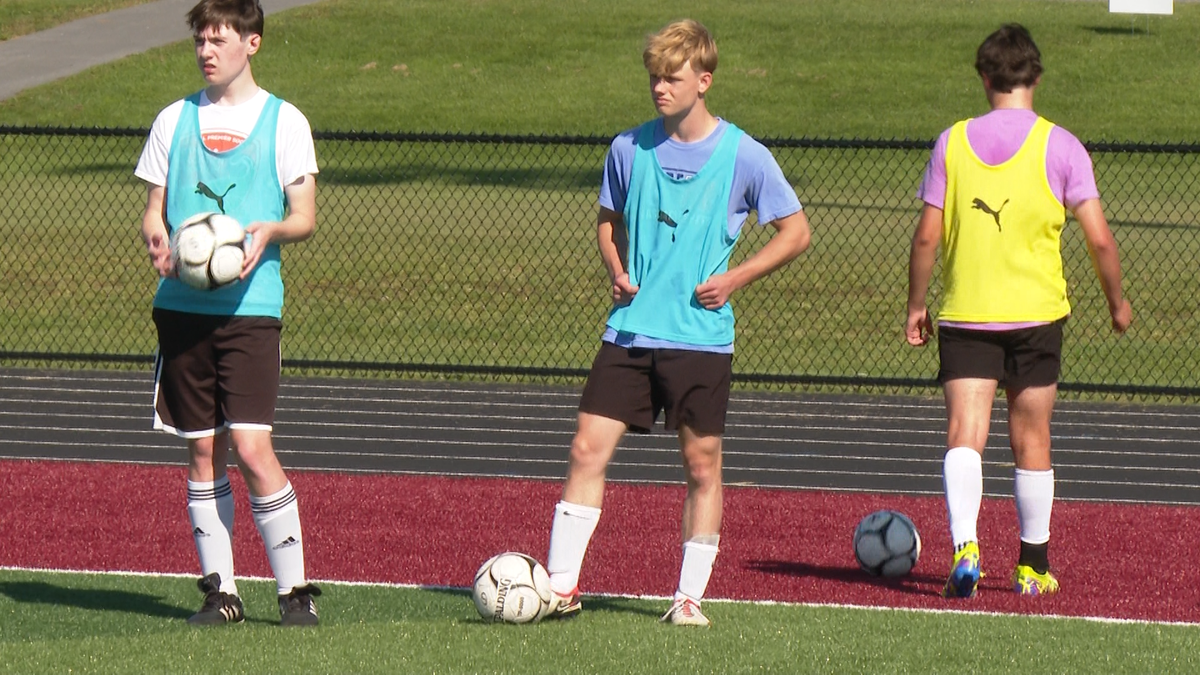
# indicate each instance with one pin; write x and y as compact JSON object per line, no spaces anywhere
{"x":210,"y":511}
{"x":277,"y":517}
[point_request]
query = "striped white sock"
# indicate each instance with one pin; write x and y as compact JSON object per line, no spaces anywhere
{"x":210,"y":511}
{"x":278,"y":520}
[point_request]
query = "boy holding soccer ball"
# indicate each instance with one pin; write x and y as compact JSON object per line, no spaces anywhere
{"x":675,"y":194}
{"x":996,"y":191}
{"x":231,"y":148}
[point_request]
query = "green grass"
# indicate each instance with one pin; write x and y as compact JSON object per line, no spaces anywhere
{"x":21,"y":17}
{"x":88,"y":623}
{"x":841,"y":68}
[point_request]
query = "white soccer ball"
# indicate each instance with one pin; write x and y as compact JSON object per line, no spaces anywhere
{"x":886,"y":543}
{"x":512,"y":588}
{"x":207,"y":250}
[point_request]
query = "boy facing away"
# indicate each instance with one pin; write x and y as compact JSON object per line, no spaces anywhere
{"x":675,"y":194}
{"x":996,"y":191}
{"x":233,"y":148}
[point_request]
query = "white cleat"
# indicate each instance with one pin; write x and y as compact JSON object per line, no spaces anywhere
{"x":685,"y":612}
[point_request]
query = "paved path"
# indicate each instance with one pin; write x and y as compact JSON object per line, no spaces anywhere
{"x":32,"y":60}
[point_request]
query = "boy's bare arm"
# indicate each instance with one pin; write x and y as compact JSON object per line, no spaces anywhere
{"x":298,"y":225}
{"x":613,"y":240}
{"x":1105,"y":259}
{"x":154,"y":230}
{"x":791,"y":238}
{"x":921,"y":258}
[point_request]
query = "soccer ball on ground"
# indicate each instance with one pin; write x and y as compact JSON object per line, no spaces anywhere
{"x":886,"y":544}
{"x":207,"y":250}
{"x":512,"y":588}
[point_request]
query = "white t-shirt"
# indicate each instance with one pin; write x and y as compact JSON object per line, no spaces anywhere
{"x":223,"y":127}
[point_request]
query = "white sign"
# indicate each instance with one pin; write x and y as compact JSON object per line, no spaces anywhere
{"x":1141,"y":6}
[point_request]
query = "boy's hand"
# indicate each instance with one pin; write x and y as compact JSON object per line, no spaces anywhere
{"x":1122,"y":316}
{"x":622,"y":290}
{"x":715,"y":292}
{"x":918,"y":328}
{"x":260,"y":236}
{"x":159,"y":248}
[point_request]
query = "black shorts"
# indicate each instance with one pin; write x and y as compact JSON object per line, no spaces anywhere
{"x":215,"y":372}
{"x":1016,"y":359}
{"x":634,"y":385}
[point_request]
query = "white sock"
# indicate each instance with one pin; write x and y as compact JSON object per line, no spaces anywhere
{"x":278,"y":521}
{"x":210,"y":511}
{"x":1034,"y":493}
{"x":962,"y":478}
{"x":699,"y":554}
{"x":569,"y":537}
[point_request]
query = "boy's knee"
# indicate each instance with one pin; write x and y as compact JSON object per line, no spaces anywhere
{"x":703,"y":469}
{"x":587,"y":455}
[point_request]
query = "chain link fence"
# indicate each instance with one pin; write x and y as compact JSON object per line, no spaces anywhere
{"x":476,"y":255}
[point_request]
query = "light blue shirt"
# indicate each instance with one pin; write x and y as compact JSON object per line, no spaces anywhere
{"x":245,"y":182}
{"x":678,"y":237}
{"x":757,"y":184}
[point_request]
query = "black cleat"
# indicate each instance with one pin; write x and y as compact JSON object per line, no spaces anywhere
{"x":219,"y":608}
{"x":298,"y":607}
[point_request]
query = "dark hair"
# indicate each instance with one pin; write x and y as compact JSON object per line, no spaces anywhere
{"x":1008,"y":58}
{"x":243,"y":16}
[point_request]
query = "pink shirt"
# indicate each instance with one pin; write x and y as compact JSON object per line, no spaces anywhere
{"x":996,"y":137}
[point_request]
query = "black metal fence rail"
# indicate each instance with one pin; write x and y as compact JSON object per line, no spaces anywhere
{"x":474,"y":255}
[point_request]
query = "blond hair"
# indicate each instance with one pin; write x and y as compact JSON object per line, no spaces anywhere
{"x":681,"y":42}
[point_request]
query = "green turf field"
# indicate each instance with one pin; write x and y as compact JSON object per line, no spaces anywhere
{"x":89,"y":623}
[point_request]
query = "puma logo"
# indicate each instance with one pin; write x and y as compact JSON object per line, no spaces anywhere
{"x":979,"y":204}
{"x":202,"y":189}
{"x":670,"y":222}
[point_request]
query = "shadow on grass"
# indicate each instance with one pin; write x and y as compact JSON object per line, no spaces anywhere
{"x":37,"y":592}
{"x":1116,"y":30}
{"x":591,"y":603}
{"x":906,"y":584}
{"x":621,"y":605}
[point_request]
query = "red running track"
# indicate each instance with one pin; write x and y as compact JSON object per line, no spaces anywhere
{"x":1123,"y":562}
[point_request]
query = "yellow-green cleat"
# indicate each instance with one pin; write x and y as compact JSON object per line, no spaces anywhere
{"x":1028,"y":582}
{"x":964,"y":572}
